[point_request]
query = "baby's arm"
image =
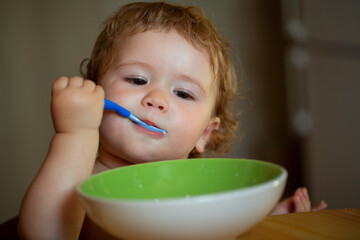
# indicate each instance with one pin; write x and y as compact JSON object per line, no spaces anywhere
{"x":51,"y":208}
{"x":299,"y":202}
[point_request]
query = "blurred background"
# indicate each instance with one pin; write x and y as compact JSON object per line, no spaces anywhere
{"x":298,"y":60}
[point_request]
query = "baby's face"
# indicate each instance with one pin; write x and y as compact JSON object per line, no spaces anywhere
{"x":164,"y":81}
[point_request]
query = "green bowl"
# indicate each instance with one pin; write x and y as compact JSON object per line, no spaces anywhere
{"x":183,"y":199}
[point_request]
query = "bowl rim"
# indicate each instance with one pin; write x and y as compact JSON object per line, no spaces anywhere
{"x":234,"y":193}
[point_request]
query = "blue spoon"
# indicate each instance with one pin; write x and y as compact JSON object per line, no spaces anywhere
{"x":109,"y":105}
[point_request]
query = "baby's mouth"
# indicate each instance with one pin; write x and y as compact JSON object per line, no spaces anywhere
{"x":151,"y":127}
{"x":150,"y":123}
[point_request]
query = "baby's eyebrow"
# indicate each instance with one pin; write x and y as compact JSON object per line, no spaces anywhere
{"x":136,"y":63}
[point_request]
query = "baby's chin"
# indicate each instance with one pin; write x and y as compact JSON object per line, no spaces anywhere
{"x":147,"y":159}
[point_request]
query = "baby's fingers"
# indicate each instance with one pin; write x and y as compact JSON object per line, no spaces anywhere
{"x":301,"y":200}
{"x":59,"y":84}
{"x":75,"y":82}
{"x":88,"y":85}
{"x":321,"y":206}
{"x":100,"y":91}
{"x":306,"y":199}
{"x":298,"y":203}
{"x":65,"y":82}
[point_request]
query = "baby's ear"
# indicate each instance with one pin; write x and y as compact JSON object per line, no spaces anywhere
{"x":213,"y":125}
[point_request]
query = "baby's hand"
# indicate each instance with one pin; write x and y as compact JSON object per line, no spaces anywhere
{"x":299,"y":202}
{"x":76,"y":104}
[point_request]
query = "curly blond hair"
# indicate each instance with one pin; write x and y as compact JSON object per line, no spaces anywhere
{"x":195,"y":27}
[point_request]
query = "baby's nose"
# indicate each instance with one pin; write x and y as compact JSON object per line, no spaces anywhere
{"x":155,"y":99}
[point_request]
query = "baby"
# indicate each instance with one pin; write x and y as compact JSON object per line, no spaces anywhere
{"x":170,"y":67}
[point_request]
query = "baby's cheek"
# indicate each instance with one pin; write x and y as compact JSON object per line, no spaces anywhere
{"x":109,"y":125}
{"x":188,"y":137}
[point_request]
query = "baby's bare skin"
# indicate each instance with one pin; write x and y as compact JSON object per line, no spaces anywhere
{"x":299,"y":202}
{"x":77,"y":107}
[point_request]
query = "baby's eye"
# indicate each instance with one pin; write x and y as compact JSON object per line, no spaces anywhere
{"x":136,"y":81}
{"x":184,"y":95}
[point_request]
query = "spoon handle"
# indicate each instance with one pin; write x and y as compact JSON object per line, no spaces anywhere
{"x":109,"y":105}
